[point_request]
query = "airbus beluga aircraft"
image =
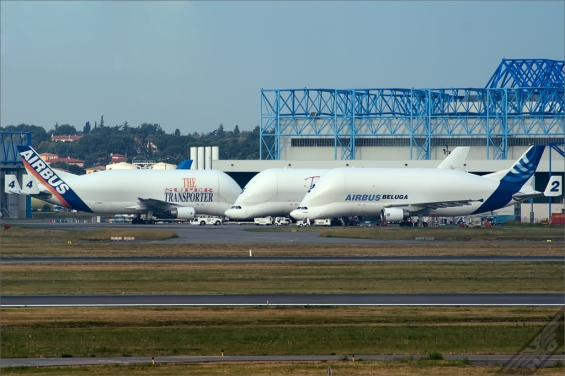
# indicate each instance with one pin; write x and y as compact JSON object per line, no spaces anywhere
{"x":167,"y":194}
{"x":278,"y":191}
{"x":396,"y":194}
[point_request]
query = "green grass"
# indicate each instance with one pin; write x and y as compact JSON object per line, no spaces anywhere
{"x":234,"y":278}
{"x":504,"y":232}
{"x":498,"y":233}
{"x":29,"y":236}
{"x":100,"y":332}
{"x":407,"y":367}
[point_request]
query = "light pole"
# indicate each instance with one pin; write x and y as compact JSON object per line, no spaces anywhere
{"x":446,"y":150}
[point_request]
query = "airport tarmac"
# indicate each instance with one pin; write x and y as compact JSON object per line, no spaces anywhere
{"x":474,"y":359}
{"x":237,"y":234}
{"x":317,"y":259}
{"x":283,"y":300}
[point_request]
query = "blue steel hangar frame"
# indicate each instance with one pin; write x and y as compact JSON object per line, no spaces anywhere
{"x":523,"y":98}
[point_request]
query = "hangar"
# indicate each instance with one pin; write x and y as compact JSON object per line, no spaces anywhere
{"x":521,"y":104}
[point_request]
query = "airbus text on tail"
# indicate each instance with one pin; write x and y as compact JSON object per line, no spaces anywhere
{"x":46,"y":176}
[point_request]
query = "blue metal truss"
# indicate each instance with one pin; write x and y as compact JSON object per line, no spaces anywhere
{"x":528,"y":73}
{"x":8,"y":146}
{"x":493,"y":114}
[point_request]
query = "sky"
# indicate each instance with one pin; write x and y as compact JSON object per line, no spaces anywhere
{"x":192,"y":65}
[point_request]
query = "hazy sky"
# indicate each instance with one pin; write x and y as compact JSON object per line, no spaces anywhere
{"x":194,"y":65}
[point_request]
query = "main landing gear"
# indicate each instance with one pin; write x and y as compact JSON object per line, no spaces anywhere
{"x":139,"y":221}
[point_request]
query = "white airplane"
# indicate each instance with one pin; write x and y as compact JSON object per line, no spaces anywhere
{"x":167,"y":194}
{"x":277,"y":191}
{"x":397,"y":194}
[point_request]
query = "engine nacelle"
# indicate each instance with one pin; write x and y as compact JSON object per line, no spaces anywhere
{"x":182,"y":213}
{"x":394,"y":214}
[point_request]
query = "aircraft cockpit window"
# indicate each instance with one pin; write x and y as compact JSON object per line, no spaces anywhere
{"x":302,"y":208}
{"x":235,"y":207}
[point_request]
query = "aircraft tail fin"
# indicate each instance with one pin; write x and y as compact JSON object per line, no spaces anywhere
{"x":11,"y":185}
{"x":50,"y":179}
{"x":456,"y":159}
{"x":522,"y":170}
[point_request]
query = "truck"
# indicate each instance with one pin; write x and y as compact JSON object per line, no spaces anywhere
{"x":282,"y":221}
{"x":323,"y":222}
{"x":203,"y":221}
{"x":263,"y":221}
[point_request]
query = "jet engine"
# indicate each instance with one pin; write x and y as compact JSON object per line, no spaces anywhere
{"x":182,"y":213}
{"x":394,"y":214}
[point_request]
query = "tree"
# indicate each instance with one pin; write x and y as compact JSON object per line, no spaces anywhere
{"x":64,"y":130}
{"x":177,"y":132}
{"x":102,"y":121}
{"x":220,"y":131}
{"x":86,"y":129}
{"x":46,"y":207}
{"x":236,"y":131}
{"x":38,"y":134}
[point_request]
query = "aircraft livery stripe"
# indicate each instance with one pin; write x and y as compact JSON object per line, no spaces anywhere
{"x":513,"y":181}
{"x":51,"y":189}
{"x":67,"y":197}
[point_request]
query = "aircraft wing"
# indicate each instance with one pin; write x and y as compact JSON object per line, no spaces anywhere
{"x":433,"y":205}
{"x":153,"y":204}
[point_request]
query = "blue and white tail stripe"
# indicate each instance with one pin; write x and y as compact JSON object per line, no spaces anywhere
{"x":524,"y":168}
{"x":514,"y":180}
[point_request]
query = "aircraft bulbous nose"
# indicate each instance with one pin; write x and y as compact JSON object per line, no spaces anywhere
{"x":236,"y":213}
{"x":297,"y":214}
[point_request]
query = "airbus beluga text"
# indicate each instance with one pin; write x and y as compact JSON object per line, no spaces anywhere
{"x":278,"y":191}
{"x":397,"y":194}
{"x":167,"y":194}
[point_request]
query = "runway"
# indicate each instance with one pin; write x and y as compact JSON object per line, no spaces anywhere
{"x":476,"y":360}
{"x":283,"y":300}
{"x":298,"y":259}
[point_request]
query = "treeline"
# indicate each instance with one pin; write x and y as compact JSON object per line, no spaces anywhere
{"x":145,"y":142}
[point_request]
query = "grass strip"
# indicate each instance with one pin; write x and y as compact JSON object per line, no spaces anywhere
{"x":450,"y":233}
{"x":42,"y":236}
{"x":84,"y":332}
{"x":29,"y":242}
{"x":359,"y":367}
{"x":239,"y":278}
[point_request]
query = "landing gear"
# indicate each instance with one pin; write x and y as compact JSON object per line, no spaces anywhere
{"x":139,"y":221}
{"x":408,"y":223}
